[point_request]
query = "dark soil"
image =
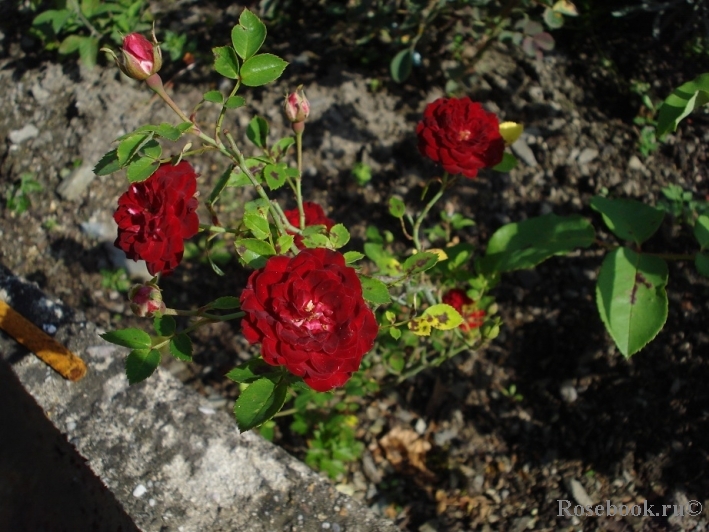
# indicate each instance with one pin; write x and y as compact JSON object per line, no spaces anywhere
{"x":587,"y":425}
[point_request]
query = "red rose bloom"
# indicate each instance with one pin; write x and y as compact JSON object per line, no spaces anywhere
{"x":155,"y":216}
{"x":309,"y":316}
{"x":459,"y":300}
{"x":314,"y":215}
{"x":460,"y":135}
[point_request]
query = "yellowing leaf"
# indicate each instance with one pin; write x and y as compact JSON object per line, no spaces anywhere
{"x":565,"y":8}
{"x":442,"y":317}
{"x":439,"y":252}
{"x":510,"y":131}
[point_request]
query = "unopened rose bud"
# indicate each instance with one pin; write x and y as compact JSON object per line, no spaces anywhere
{"x":297,"y":106}
{"x":146,"y":300}
{"x":139,"y":58}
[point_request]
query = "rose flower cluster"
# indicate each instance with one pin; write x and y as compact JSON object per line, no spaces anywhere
{"x":460,"y":135}
{"x":309,"y":316}
{"x":157,"y":215}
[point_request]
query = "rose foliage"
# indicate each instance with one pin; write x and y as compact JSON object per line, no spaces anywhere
{"x":314,"y":215}
{"x":459,"y":300}
{"x":308,"y":314}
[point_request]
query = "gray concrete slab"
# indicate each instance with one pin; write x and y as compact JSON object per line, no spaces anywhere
{"x":169,"y":461}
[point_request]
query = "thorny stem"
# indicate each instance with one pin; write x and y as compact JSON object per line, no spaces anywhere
{"x":426,"y":209}
{"x":216,"y":229}
{"x":222,"y":113}
{"x":155,"y":84}
{"x":299,"y":179}
{"x":276,"y":212}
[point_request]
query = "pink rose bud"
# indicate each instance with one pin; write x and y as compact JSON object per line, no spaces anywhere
{"x":146,"y":300}
{"x":297,"y":106}
{"x":141,"y":58}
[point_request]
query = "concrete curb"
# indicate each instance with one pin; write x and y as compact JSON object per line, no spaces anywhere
{"x":170,"y":461}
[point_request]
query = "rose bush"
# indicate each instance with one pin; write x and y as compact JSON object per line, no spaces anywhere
{"x":460,"y":135}
{"x":314,"y":215}
{"x":459,"y":300}
{"x":308,"y":314}
{"x":155,"y":216}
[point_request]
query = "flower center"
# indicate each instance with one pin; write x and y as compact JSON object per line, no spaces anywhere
{"x":463,"y":134}
{"x":314,"y":317}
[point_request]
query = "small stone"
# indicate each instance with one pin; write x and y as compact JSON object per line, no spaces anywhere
{"x":420,"y":426}
{"x":207,"y":411}
{"x":49,"y":328}
{"x":568,"y":392}
{"x":18,"y":136}
{"x":75,"y":185}
{"x":578,"y":492}
{"x":587,"y":155}
{"x":151,"y":502}
{"x":524,"y":152}
{"x":635,"y":164}
{"x":139,"y":491}
{"x":325,"y":526}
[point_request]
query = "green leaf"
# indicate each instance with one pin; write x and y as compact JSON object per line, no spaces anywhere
{"x":442,"y":317}
{"x":133,"y":338}
{"x":631,"y":298}
{"x":56,"y":17}
{"x":181,"y":347}
{"x":353,"y":256}
{"x":108,"y":164}
{"x":420,"y":262}
{"x":70,"y":44}
{"x":283,"y":244}
{"x":701,"y":231}
{"x":396,"y":360}
{"x":88,"y":50}
{"x":129,"y":147}
{"x":257,"y":131}
{"x":141,"y":363}
{"x":248,"y":36}
{"x":315,"y":240}
{"x":396,"y":207}
{"x":220,"y":185}
{"x":374,"y":291}
{"x":164,"y":325}
{"x":250,"y":371}
{"x":400,"y":66}
{"x":213,"y":96}
{"x":262,"y":69}
{"x":395,"y":333}
{"x":339,"y":236}
{"x":225,"y":62}
{"x":257,"y":225}
{"x":508,"y":162}
{"x":553,"y":19}
{"x":628,"y":219}
{"x":281,"y":147}
{"x":234,"y":102}
{"x":681,"y":102}
{"x":225,"y":303}
{"x":259,"y":402}
{"x":254,"y":252}
{"x":275,"y":175}
{"x":525,"y":244}
{"x":152,"y":149}
{"x":141,"y":169}
{"x":701,"y":262}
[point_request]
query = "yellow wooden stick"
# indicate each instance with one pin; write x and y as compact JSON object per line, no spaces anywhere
{"x":51,"y":352}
